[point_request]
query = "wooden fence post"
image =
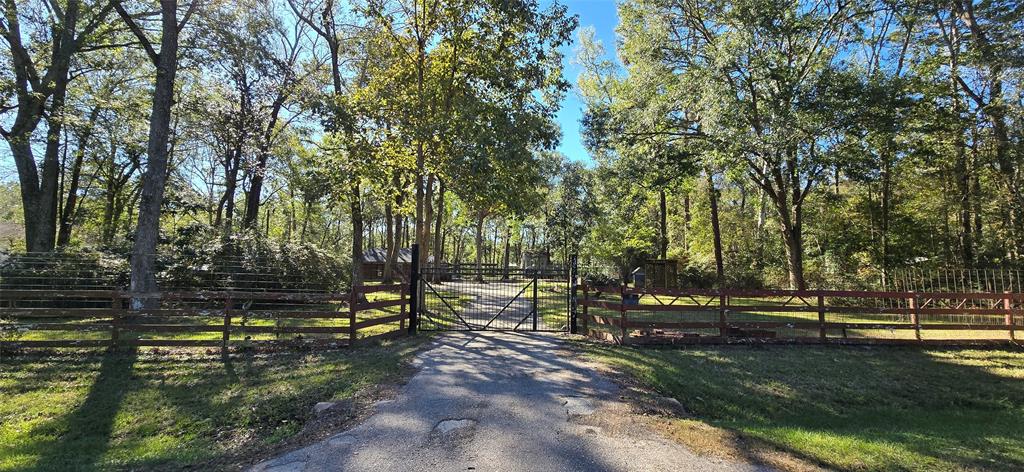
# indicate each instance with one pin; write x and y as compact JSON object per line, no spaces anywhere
{"x":352,"y":316}
{"x":914,"y":303}
{"x":1008,"y":305}
{"x":622,"y":314}
{"x":226,"y":335}
{"x":115,"y":320}
{"x":414,"y":289}
{"x":822,"y":332}
{"x":401,"y":296}
{"x":586,"y":297}
{"x":723,"y":328}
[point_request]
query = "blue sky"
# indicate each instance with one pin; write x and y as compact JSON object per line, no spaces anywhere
{"x":603,"y":17}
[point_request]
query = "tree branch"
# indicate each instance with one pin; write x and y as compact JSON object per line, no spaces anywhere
{"x":148,"y":46}
{"x":188,"y":14}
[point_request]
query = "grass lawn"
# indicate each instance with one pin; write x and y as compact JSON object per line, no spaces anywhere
{"x":851,"y":408}
{"x":144,"y":411}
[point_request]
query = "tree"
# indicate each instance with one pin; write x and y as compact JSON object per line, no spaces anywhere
{"x":757,"y":82}
{"x":42,"y":42}
{"x":325,"y":18}
{"x":446,"y":59}
{"x":573,"y":208}
{"x":147,"y":232}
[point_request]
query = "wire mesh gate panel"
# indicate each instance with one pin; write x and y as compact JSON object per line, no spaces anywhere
{"x":471,"y":298}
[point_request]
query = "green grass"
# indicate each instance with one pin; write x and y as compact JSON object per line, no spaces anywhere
{"x":143,"y":411}
{"x":551,"y":305}
{"x":849,"y":408}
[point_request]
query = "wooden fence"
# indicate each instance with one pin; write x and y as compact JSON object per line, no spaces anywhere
{"x":102,"y":318}
{"x":689,"y":316}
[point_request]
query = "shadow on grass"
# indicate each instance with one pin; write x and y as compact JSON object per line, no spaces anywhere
{"x":851,"y":408}
{"x":83,"y":435}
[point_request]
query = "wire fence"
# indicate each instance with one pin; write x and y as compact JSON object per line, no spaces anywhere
{"x":83,"y":300}
{"x":102,"y":271}
{"x":626,"y":314}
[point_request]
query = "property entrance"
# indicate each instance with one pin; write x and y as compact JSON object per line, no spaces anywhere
{"x":491,"y":297}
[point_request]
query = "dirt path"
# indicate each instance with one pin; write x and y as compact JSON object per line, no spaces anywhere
{"x":499,"y":401}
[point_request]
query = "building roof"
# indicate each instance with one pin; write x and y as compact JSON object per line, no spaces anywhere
{"x":380,"y":256}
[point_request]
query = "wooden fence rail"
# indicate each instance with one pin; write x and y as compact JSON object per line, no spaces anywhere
{"x":104,"y":318}
{"x":668,"y":316}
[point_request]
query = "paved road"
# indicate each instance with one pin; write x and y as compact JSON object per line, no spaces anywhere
{"x":499,"y":402}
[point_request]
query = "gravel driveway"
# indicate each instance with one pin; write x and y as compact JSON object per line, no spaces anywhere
{"x":499,"y":401}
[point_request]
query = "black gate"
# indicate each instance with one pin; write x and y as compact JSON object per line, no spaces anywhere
{"x":495,"y":297}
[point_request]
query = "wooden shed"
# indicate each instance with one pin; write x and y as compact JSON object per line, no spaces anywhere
{"x":372,"y":264}
{"x":661,"y":273}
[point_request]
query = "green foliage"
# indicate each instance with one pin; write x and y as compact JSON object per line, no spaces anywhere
{"x":851,"y":139}
{"x":200,"y":258}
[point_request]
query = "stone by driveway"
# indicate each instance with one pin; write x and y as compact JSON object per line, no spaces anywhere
{"x":491,"y":401}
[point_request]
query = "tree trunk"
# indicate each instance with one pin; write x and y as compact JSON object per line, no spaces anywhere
{"x":792,"y":236}
{"x":356,"y":207}
{"x":252,"y":196}
{"x":39,"y":187}
{"x":663,"y":224}
{"x":963,"y":182}
{"x":479,"y":246}
{"x":886,"y":210}
{"x":389,"y":237}
{"x":505,"y":259}
{"x":395,"y":244}
{"x":71,"y":203}
{"x":108,"y":226}
{"x":306,"y":210}
{"x":438,"y":236}
{"x":686,"y":223}
{"x":716,"y":229}
{"x":147,"y":233}
{"x":230,"y":187}
{"x":428,"y":219}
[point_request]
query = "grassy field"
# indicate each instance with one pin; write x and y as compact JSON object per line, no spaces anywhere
{"x":145,"y":411}
{"x":853,"y":408}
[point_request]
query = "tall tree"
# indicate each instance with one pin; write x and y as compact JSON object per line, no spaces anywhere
{"x":754,"y":80}
{"x":147,"y":232}
{"x":42,"y":42}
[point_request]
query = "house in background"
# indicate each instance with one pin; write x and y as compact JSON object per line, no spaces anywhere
{"x":538,"y":260}
{"x":372,"y":264}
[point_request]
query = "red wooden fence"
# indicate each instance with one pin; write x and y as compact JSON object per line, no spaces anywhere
{"x":102,"y":318}
{"x":635,"y":315}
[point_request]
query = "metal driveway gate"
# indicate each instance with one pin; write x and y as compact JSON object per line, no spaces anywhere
{"x":492,"y":297}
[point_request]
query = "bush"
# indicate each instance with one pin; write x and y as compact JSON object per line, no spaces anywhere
{"x":598,"y":279}
{"x":63,"y":270}
{"x":202,"y":259}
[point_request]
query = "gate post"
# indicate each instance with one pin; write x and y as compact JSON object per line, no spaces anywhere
{"x":573,"y":328}
{"x":414,"y":289}
{"x":1008,"y":306}
{"x":536,"y":277}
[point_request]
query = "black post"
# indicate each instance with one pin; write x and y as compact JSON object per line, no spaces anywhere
{"x":573,"y":272}
{"x":414,"y":289}
{"x":535,"y":278}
